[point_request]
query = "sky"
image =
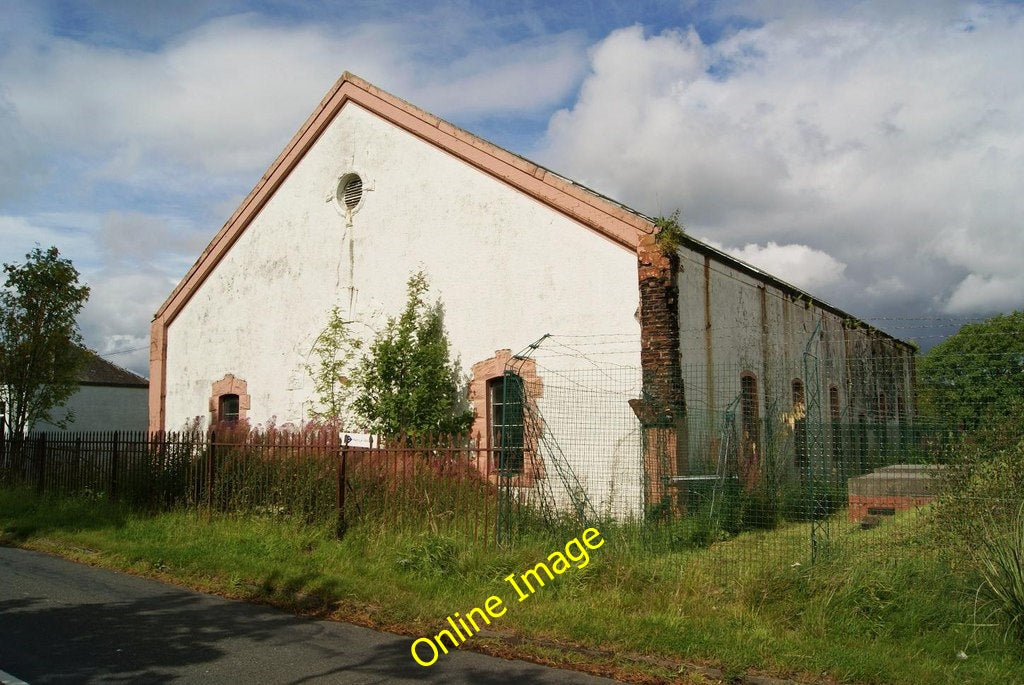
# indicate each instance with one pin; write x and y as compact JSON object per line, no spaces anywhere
{"x":869,"y":152}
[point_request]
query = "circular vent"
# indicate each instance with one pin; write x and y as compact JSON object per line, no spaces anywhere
{"x":350,"y":191}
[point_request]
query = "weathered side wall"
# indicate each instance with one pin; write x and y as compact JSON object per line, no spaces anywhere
{"x":735,"y":322}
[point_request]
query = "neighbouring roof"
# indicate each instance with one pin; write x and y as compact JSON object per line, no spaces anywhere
{"x":98,"y":371}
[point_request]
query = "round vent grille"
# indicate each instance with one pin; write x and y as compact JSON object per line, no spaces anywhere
{"x":350,"y":191}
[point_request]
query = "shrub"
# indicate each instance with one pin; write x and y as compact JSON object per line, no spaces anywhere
{"x":335,"y":354}
{"x":980,"y":484}
{"x":1001,"y":565}
{"x":984,"y":487}
{"x":409,"y":384}
{"x":801,"y":502}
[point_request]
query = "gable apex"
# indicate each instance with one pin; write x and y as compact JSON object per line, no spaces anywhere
{"x":604,"y":216}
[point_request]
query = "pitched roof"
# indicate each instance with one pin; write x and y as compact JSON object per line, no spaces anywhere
{"x":604,"y":216}
{"x":98,"y":371}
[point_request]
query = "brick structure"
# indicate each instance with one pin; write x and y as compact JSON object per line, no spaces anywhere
{"x":891,"y":489}
{"x":662,"y":409}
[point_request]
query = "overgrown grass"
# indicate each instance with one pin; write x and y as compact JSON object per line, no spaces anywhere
{"x":1002,"y":573}
{"x":881,"y":607}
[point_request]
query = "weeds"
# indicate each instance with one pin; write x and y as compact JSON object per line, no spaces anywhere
{"x":1001,"y":565}
{"x":429,"y":555}
{"x":866,"y":614}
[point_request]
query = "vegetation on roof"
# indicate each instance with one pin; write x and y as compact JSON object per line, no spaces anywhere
{"x":670,"y":232}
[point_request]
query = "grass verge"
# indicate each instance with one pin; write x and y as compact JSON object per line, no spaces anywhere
{"x":882,"y":608}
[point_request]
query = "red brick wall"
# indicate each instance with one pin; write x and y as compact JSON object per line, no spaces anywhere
{"x":659,"y":332}
{"x":859,"y":504}
{"x":663,"y":407}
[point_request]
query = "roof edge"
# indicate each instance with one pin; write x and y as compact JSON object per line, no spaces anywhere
{"x":141,"y":385}
{"x":97,"y":370}
{"x":764,"y":276}
{"x":604,"y":216}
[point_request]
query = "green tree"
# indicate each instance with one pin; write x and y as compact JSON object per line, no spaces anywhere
{"x":40,"y":345}
{"x":408,"y":383}
{"x":335,"y":353}
{"x":975,"y":378}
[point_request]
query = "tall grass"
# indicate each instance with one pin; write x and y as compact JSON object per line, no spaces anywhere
{"x":866,"y":614}
{"x":1001,"y":565}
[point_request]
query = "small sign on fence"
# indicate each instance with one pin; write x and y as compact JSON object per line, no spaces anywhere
{"x":357,"y":440}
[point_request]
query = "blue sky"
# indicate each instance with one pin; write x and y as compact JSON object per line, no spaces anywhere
{"x":870,"y":152}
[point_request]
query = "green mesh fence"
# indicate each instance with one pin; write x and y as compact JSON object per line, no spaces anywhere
{"x":776,"y":462}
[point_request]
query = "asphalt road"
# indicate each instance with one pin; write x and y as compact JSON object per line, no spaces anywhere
{"x":62,"y":622}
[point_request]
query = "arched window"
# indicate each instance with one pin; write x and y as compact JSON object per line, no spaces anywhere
{"x":229,"y":400}
{"x":833,"y":403}
{"x":750,"y":424}
{"x":837,"y":437}
{"x":505,"y":397}
{"x":799,"y":424}
{"x":502,"y":402}
{"x":228,"y":408}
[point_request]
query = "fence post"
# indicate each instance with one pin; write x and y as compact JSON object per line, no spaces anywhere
{"x":40,"y":463}
{"x":211,"y":471}
{"x":76,"y":467}
{"x":114,"y":465}
{"x":3,"y":438}
{"x":157,"y":491}
{"x":342,"y":525}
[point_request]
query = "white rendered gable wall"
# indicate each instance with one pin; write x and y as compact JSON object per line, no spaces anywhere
{"x":508,"y":268}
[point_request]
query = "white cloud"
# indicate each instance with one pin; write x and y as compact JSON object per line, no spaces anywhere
{"x":224,"y":98}
{"x":71,"y":233}
{"x":18,"y":165}
{"x":891,"y":286}
{"x":117,"y":315}
{"x":528,"y":76}
{"x":177,"y":131}
{"x":131,"y":261}
{"x":887,"y":139}
{"x":131,"y":241}
{"x":987,"y":294}
{"x":799,"y":265}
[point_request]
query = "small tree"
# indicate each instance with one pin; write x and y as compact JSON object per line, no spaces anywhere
{"x":40,"y":344}
{"x":975,"y":378}
{"x":335,"y":352}
{"x":409,"y":383}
